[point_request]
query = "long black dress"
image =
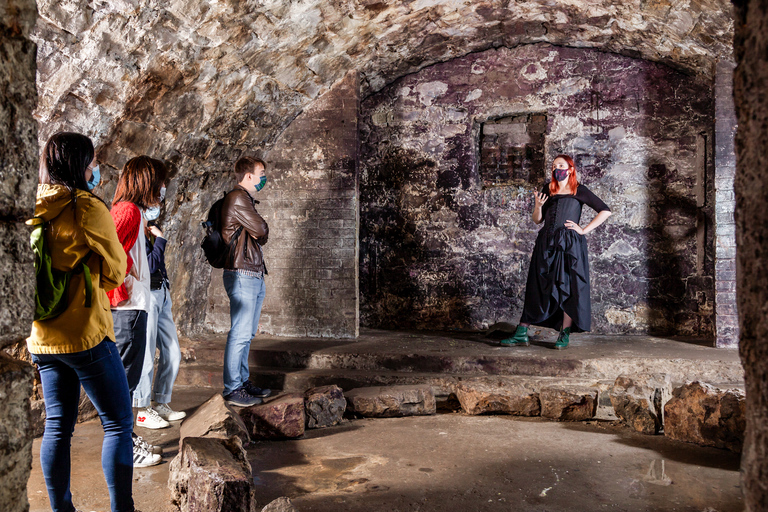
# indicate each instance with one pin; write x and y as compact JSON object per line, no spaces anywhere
{"x":558,"y":277}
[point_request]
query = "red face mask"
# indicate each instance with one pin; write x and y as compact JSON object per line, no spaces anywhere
{"x":561,"y":174}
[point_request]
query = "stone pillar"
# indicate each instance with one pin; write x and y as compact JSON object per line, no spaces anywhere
{"x":311,"y":205}
{"x":751,"y":187}
{"x":18,"y":181}
{"x":726,"y":315}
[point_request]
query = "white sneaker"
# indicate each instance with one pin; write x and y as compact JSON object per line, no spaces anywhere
{"x":139,"y":441}
{"x":168,"y":414}
{"x":144,"y":458}
{"x":148,"y":418}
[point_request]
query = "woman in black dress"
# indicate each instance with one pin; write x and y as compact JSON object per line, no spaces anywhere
{"x":557,"y":291}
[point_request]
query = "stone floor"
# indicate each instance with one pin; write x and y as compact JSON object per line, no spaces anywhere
{"x":449,"y":461}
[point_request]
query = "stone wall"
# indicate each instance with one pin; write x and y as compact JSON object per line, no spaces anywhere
{"x":18,"y":181}
{"x":751,"y":188}
{"x":444,"y":247}
{"x":310,"y":203}
{"x":198,"y":83}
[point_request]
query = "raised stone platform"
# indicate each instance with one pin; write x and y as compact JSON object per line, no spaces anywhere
{"x":444,"y":359}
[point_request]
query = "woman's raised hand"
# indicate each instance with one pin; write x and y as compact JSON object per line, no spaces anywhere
{"x":540,"y":198}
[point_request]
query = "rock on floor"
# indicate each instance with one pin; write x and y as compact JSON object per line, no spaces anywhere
{"x":504,"y":397}
{"x":705,"y":415}
{"x":281,"y":504}
{"x":639,"y":401}
{"x":568,"y":403}
{"x":211,"y":475}
{"x":215,"y":418}
{"x":392,"y":401}
{"x":324,"y":406}
{"x":279,"y":418}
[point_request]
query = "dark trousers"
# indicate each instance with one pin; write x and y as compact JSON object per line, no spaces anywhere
{"x":131,"y":341}
{"x":100,"y":372}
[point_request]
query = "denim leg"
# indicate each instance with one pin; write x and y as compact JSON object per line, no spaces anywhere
{"x":61,"y":389}
{"x":143,"y":392}
{"x":100,"y":371}
{"x":168,"y":344}
{"x":131,"y":341}
{"x":260,"y":290}
{"x":243,"y":300}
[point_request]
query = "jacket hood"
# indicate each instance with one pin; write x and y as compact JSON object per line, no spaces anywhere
{"x":52,"y":199}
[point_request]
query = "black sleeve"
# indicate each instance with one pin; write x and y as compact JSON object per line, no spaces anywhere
{"x":545,"y":189}
{"x":156,"y":254}
{"x":587,"y":197}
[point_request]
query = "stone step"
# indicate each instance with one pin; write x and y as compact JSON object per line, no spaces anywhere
{"x":589,"y":357}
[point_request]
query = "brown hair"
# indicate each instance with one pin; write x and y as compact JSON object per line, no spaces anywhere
{"x":246,"y":164}
{"x":140,"y":182}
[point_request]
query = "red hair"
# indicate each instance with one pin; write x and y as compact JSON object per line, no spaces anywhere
{"x":573,"y":183}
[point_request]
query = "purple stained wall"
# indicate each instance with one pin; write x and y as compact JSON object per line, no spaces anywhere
{"x":445,"y":243}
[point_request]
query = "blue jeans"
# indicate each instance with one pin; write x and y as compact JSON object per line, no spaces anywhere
{"x":100,"y":371}
{"x":246,"y":295}
{"x":131,"y":341}
{"x":161,"y":335}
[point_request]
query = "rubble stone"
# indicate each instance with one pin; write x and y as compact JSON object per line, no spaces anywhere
{"x":392,"y":401}
{"x":324,"y":406}
{"x":568,"y":403}
{"x":211,"y":475}
{"x":505,"y":397}
{"x":215,"y":418}
{"x":281,"y":504}
{"x":639,"y":401}
{"x":705,"y":415}
{"x":278,"y":418}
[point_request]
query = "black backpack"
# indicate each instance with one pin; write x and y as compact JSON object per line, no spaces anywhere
{"x":215,"y":249}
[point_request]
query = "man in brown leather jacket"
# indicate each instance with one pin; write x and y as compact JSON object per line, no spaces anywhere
{"x":244,"y":274}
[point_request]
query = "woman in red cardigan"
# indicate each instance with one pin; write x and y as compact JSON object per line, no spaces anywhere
{"x":138,"y":188}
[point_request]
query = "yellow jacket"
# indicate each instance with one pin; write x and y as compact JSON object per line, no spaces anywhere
{"x":70,"y":234}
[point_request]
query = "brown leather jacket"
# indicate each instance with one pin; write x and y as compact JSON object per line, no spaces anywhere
{"x":239,"y":210}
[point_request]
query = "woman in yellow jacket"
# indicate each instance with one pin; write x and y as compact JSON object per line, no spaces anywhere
{"x":77,"y":347}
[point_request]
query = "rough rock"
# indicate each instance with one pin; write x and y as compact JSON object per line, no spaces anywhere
{"x":281,"y":504}
{"x":391,"y":401}
{"x":504,"y":397}
{"x":324,"y":406}
{"x":639,"y":401}
{"x":278,"y":418}
{"x":215,"y":418}
{"x":705,"y":415}
{"x":37,"y":417}
{"x":751,"y":289}
{"x":211,"y":475}
{"x":15,"y":433}
{"x":568,"y":403}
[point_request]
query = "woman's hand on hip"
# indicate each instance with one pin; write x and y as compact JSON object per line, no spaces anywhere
{"x":575,"y":227}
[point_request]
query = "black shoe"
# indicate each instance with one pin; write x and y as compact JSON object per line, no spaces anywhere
{"x":241,"y":398}
{"x":254,"y":390}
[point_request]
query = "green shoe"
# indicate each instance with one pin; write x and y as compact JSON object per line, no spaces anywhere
{"x":520,"y":338}
{"x":562,"y":339}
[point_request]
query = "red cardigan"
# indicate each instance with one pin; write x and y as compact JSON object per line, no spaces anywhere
{"x":127,"y":218}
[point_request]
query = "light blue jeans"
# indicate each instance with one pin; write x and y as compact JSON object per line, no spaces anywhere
{"x":161,"y":335}
{"x":246,"y":296}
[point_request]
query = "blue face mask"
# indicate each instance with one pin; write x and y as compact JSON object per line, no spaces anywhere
{"x":152,"y":213}
{"x":261,"y":183}
{"x":95,"y":178}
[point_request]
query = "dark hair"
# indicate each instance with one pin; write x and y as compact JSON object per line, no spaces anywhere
{"x":65,"y":158}
{"x":246,"y":164}
{"x":139,"y":183}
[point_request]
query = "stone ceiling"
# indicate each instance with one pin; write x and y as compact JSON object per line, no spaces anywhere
{"x":188,"y":80}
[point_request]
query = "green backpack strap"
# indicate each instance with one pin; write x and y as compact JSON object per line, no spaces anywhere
{"x":51,"y":284}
